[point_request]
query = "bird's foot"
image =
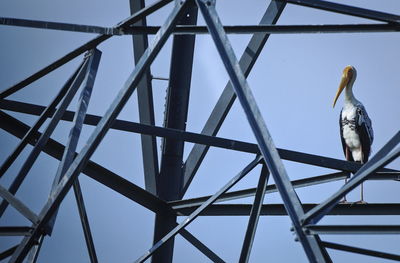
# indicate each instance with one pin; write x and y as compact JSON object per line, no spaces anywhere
{"x":361,"y":202}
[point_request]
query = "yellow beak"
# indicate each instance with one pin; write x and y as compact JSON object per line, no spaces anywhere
{"x":343,"y":83}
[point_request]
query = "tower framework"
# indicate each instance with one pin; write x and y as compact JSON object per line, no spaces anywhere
{"x":165,"y":184}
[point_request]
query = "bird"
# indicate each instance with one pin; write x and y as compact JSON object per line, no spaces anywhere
{"x":356,"y":131}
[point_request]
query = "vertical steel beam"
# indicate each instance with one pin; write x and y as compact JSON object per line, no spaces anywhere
{"x":292,"y":204}
{"x":169,"y":183}
{"x":145,"y":103}
{"x":45,"y":136}
{"x":43,"y":116}
{"x":254,"y":215}
{"x":98,"y":134}
{"x":228,"y":96}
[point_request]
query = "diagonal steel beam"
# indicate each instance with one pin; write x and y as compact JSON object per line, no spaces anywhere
{"x":7,"y":253}
{"x":93,"y":170}
{"x":347,"y":10}
{"x":83,"y":48}
{"x":312,"y":248}
{"x":362,"y":251}
{"x":254,"y":216}
{"x":18,"y":205}
{"x":200,"y":246}
{"x":145,"y":104}
{"x":108,"y":179}
{"x":7,"y":21}
{"x":69,"y":153}
{"x":311,"y":159}
{"x":228,"y":96}
{"x":197,"y":212}
{"x":44,"y":114}
{"x":98,"y":134}
{"x":41,"y":142}
{"x":379,"y":160}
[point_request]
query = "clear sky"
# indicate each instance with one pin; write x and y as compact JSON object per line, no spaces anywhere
{"x":294,"y":82}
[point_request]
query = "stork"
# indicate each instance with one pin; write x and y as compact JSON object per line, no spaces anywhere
{"x":355,"y":126}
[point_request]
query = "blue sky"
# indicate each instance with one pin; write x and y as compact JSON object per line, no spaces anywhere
{"x":294,"y":82}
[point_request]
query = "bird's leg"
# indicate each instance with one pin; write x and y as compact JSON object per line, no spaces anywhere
{"x":344,"y":201}
{"x":362,"y":184}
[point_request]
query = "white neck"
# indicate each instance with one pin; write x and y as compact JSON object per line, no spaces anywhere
{"x":348,"y":95}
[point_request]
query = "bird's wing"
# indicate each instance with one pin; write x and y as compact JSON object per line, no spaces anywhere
{"x":341,"y":136}
{"x":364,"y":130}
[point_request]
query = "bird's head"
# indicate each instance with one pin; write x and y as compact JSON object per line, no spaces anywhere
{"x":348,"y":78}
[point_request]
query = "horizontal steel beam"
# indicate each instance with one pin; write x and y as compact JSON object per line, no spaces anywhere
{"x":279,"y":210}
{"x":274,"y":29}
{"x":272,"y":188}
{"x":7,"y":21}
{"x":15,"y":230}
{"x":347,"y":10}
{"x":200,"y":139}
{"x":383,"y":157}
{"x":361,"y":251}
{"x":352,"y":229}
{"x":184,"y":29}
{"x":92,"y":169}
{"x":251,"y":191}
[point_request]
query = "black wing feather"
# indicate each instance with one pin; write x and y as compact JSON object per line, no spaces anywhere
{"x":364,"y":130}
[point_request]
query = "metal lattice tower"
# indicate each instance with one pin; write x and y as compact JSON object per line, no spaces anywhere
{"x":167,"y":173}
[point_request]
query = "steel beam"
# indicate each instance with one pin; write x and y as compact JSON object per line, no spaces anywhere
{"x":69,"y":153}
{"x":41,"y":142}
{"x":145,"y":103}
{"x":197,"y":212}
{"x":170,"y":180}
{"x":362,"y":251}
{"x":92,"y":169}
{"x":379,"y":160}
{"x":44,"y":114}
{"x":251,"y":191}
{"x":279,"y":210}
{"x":98,"y":134}
{"x":7,"y":253}
{"x":75,"y":132}
{"x":18,"y":205}
{"x":313,"y":250}
{"x":121,"y":125}
{"x":83,"y":48}
{"x":228,"y":96}
{"x":275,"y":29}
{"x":353,"y":229}
{"x":254,"y":215}
{"x":347,"y":10}
{"x":15,"y":231}
{"x":200,"y":246}
{"x":58,"y":26}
